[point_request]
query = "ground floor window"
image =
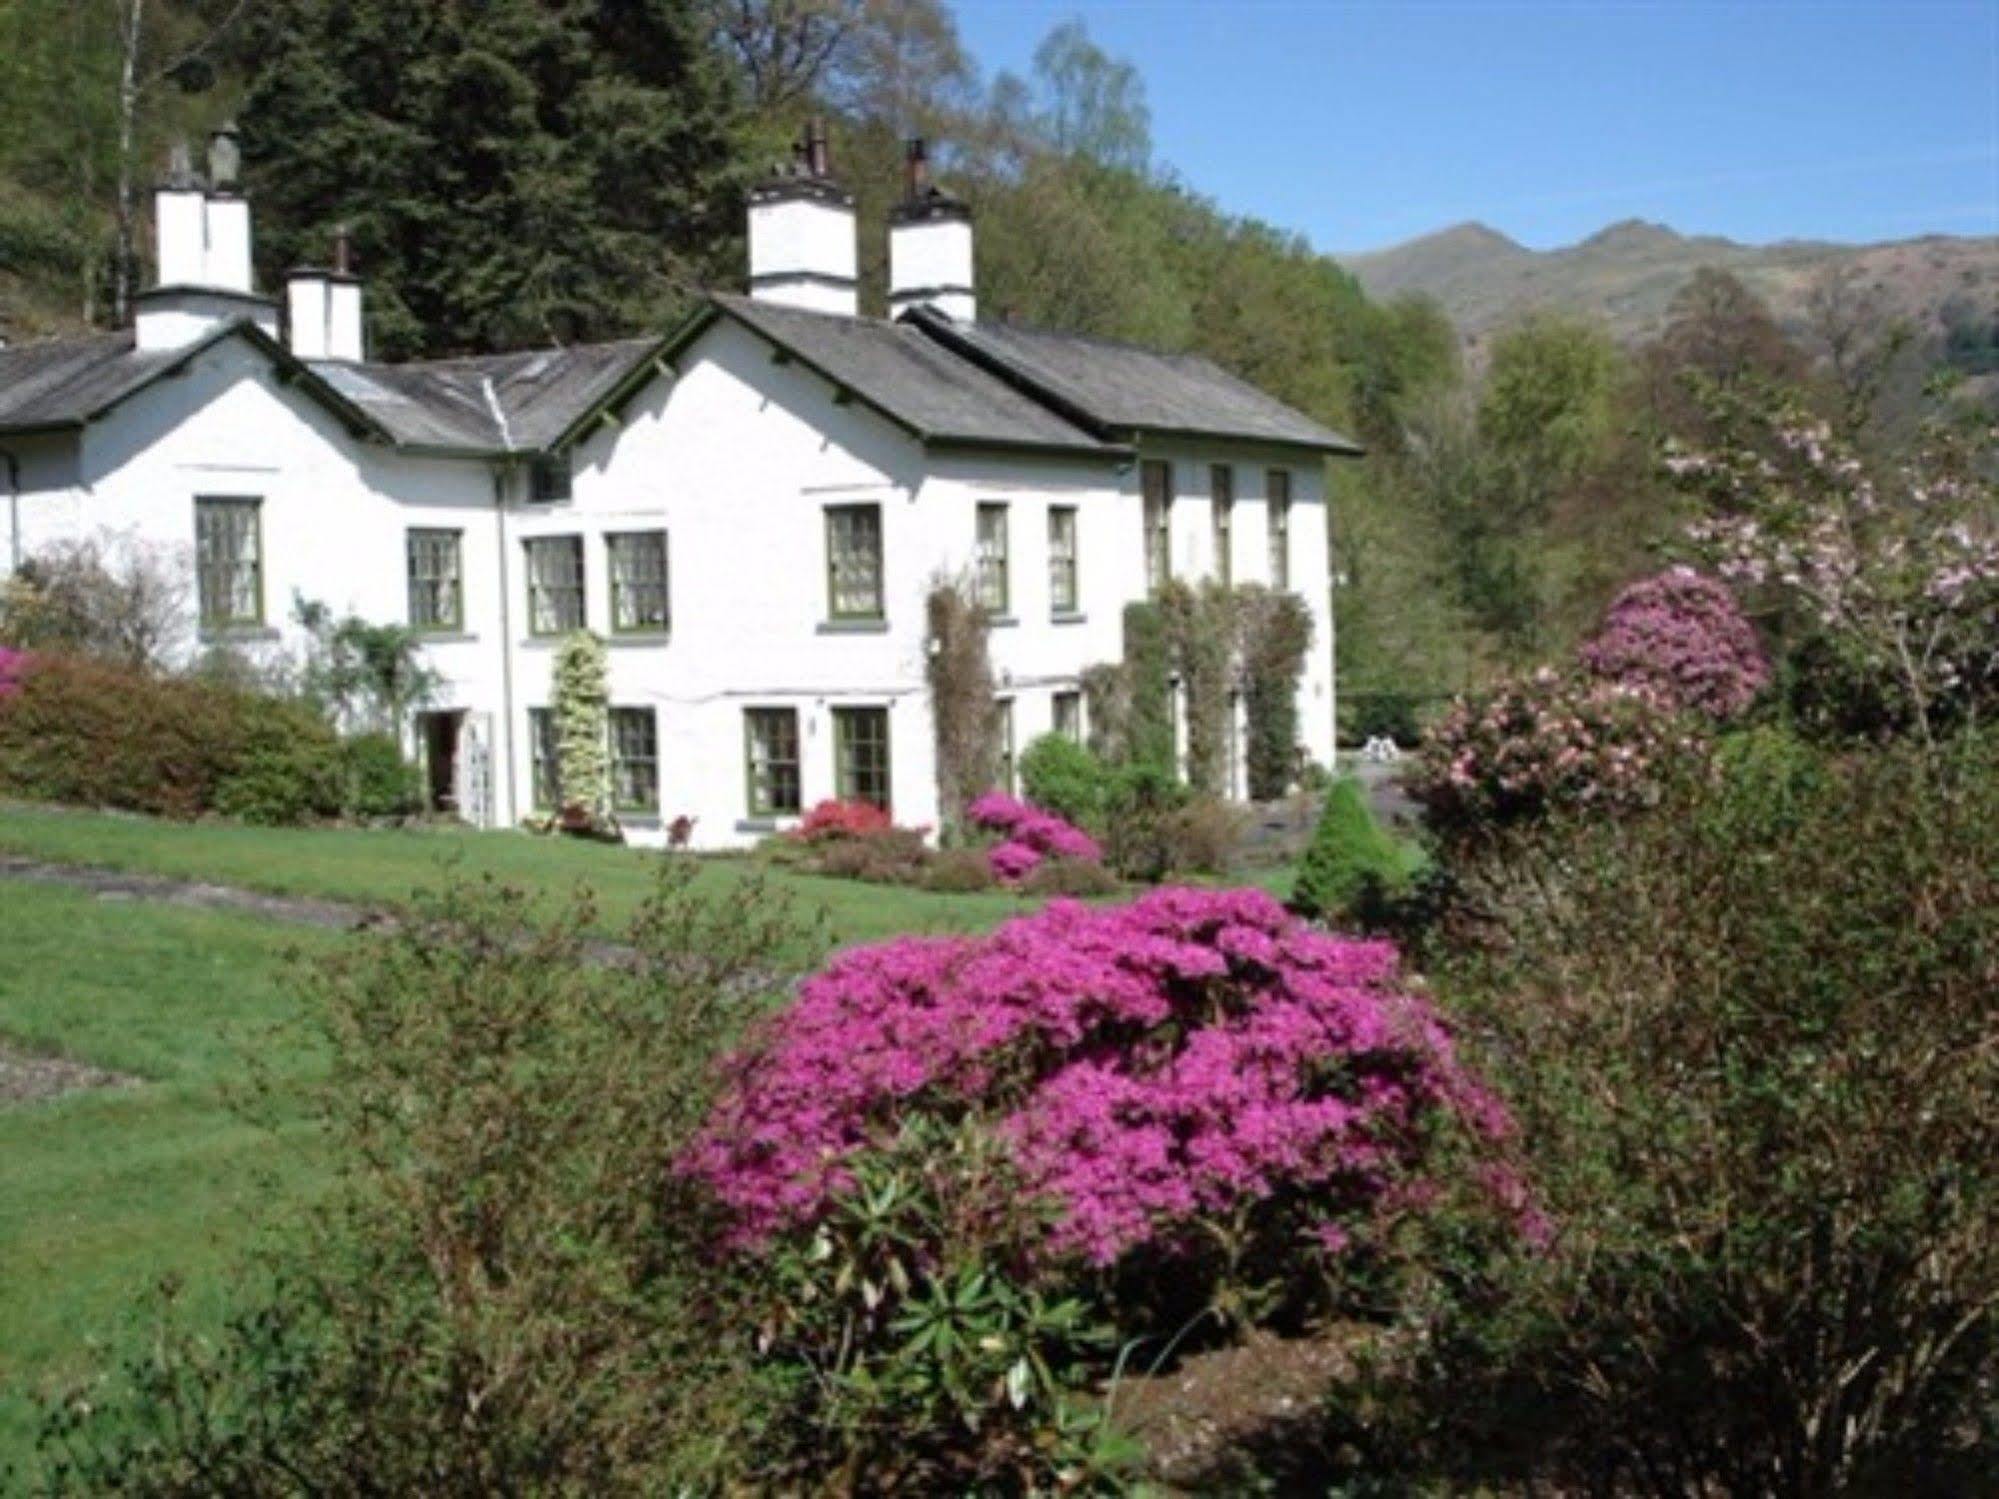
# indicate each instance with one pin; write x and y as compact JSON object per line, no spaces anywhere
{"x":542,"y":758}
{"x":1069,"y":715}
{"x":860,"y":755}
{"x":770,"y":737}
{"x":635,"y":759}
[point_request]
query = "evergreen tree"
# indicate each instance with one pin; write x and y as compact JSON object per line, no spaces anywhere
{"x":515,"y":172}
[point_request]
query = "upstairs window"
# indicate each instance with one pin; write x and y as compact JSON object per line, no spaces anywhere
{"x":437,"y":584}
{"x":1064,"y":595}
{"x":638,"y":582}
{"x":771,"y":744}
{"x":854,"y":561}
{"x":229,"y":561}
{"x":1221,"y":500}
{"x":991,"y":580}
{"x":1278,"y":490}
{"x":555,"y":584}
{"x":634,"y":759}
{"x":549,"y":479}
{"x":1156,"y":483}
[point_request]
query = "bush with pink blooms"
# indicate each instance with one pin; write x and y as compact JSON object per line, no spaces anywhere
{"x":1196,"y":1078}
{"x":1681,"y":635}
{"x":1029,"y":835}
{"x":1547,"y":743}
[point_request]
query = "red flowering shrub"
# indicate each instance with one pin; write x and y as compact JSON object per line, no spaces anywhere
{"x":1681,"y":635}
{"x":1029,"y":836}
{"x":1544,"y":743}
{"x":837,"y":819}
{"x":1198,"y":1065}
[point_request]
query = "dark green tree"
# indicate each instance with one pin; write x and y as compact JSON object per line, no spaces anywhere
{"x":515,"y":172}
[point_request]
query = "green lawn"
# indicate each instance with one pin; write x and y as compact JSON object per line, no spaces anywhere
{"x":103,"y":1192}
{"x":385,"y":865}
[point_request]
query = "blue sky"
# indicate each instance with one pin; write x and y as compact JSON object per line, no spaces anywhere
{"x":1363,"y":124}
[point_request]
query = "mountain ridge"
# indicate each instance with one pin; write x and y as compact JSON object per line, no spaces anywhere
{"x":1627,"y":273}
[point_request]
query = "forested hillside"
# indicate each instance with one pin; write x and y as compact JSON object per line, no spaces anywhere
{"x":520,"y":173}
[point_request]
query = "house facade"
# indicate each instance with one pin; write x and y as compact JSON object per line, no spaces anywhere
{"x":751,"y":509}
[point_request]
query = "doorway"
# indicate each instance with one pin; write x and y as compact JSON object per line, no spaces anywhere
{"x":437,"y":739}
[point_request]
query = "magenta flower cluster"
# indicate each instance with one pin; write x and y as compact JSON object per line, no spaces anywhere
{"x":1029,"y":835}
{"x":13,"y":666}
{"x":1681,"y":635}
{"x":1194,"y":1056}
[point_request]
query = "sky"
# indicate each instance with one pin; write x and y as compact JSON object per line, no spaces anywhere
{"x":1363,"y":123}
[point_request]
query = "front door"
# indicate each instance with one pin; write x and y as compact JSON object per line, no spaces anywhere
{"x":437,"y":735}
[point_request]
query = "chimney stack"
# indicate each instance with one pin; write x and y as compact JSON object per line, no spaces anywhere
{"x":930,"y":246}
{"x":802,"y":248}
{"x":323,"y":313}
{"x":202,"y":251}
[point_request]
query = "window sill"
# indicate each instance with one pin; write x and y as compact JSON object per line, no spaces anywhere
{"x":639,"y":637}
{"x":236,"y":634}
{"x":853,"y":627}
{"x":1068,"y":617}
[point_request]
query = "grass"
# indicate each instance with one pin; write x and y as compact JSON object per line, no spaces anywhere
{"x":382,"y":865}
{"x":104,"y":1192}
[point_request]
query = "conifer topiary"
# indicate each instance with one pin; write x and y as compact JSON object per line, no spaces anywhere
{"x":1349,"y":848}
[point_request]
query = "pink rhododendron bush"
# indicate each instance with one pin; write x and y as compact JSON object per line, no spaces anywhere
{"x":1197,"y":1079}
{"x":1546,"y":743}
{"x":1029,"y":836}
{"x":1681,"y":635}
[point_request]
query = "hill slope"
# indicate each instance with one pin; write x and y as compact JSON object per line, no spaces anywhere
{"x":1627,"y":275}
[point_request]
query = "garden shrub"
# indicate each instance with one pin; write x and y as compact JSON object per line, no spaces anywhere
{"x":1029,"y":836}
{"x":285,"y":765}
{"x":500,"y":1291}
{"x":1753,"y":1060}
{"x":959,"y":871}
{"x":379,"y":782}
{"x":831,"y":819}
{"x":1065,"y":777}
{"x":1349,"y":851}
{"x":1682,"y":637}
{"x":1544,"y":744}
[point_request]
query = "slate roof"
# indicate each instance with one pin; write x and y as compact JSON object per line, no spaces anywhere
{"x":1122,"y":388}
{"x":444,"y":405}
{"x":909,"y":378}
{"x":65,"y":382}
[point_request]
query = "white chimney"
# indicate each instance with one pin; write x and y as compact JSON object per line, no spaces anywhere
{"x":203,"y":252}
{"x":930,"y":247}
{"x":802,"y":246}
{"x":323,"y":308}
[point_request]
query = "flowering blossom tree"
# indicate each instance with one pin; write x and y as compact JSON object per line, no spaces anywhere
{"x":1197,"y":1064}
{"x":1894,"y":572}
{"x":1030,"y":835}
{"x":1682,"y":636}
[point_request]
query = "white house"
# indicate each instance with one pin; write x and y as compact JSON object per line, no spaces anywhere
{"x":750,"y":509}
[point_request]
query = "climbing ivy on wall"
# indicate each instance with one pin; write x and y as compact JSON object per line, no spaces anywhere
{"x":1276,"y":633}
{"x":582,"y":714}
{"x":966,"y":717}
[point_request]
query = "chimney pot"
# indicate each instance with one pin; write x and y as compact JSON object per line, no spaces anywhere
{"x":225,"y":159}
